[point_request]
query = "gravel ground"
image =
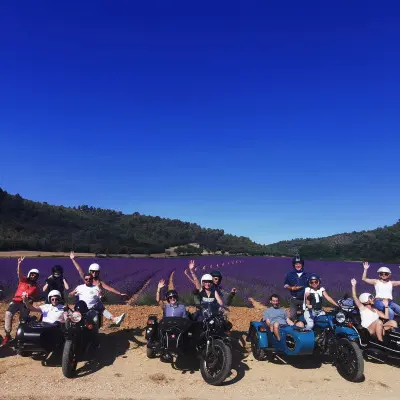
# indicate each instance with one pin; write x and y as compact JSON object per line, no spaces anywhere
{"x":121,"y":370}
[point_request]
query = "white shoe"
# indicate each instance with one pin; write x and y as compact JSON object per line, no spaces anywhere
{"x":119,"y":320}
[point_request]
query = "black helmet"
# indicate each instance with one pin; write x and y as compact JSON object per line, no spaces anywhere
{"x":314,"y":277}
{"x":296,"y":260}
{"x":57,"y":271}
{"x":81,"y":306}
{"x":216,"y":274}
{"x":171,"y":293}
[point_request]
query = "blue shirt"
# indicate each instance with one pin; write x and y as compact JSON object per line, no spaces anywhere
{"x":292,"y":279}
{"x":178,"y":310}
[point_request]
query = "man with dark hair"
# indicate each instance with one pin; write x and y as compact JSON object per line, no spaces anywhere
{"x":276,"y":316}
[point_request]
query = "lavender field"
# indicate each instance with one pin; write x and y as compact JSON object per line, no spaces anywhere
{"x":255,"y":277}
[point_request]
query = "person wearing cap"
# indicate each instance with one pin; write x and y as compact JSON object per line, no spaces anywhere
{"x":171,"y":306}
{"x":383,"y":289}
{"x":94,"y":272}
{"x":27,"y":287}
{"x":370,"y":315}
{"x":296,"y":281}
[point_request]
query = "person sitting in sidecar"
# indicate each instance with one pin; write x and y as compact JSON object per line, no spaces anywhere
{"x":370,"y":315}
{"x":171,"y":306}
{"x":52,"y":312}
{"x":276,"y":316}
{"x":313,"y":297}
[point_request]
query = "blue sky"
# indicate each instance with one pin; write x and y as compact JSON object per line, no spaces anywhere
{"x":272,"y":120}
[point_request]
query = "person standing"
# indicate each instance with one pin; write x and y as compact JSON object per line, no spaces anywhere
{"x":296,"y":281}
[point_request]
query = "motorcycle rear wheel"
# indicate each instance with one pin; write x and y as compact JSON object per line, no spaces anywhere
{"x":69,"y":361}
{"x":216,"y":366}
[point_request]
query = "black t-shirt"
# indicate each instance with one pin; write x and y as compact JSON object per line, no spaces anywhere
{"x":55,"y":284}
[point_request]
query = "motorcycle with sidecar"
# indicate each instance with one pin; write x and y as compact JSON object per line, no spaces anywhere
{"x":203,"y":335}
{"x":329,"y":338}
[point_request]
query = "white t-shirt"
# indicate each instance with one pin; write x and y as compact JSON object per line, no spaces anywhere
{"x":89,"y":294}
{"x":52,"y":313}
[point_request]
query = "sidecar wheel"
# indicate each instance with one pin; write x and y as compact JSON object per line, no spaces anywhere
{"x":217,"y":365}
{"x":69,"y":360}
{"x":349,"y":360}
{"x":258,"y":354}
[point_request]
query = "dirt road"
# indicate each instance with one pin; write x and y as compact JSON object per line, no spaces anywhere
{"x":121,"y":370}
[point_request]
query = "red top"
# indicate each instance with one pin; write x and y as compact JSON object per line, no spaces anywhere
{"x":25,"y":286}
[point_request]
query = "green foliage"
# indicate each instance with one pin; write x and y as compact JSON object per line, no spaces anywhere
{"x":28,"y":225}
{"x":189,"y":249}
{"x":146,"y":300}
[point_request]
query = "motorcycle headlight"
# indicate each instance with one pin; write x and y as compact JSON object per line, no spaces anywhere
{"x":76,"y":316}
{"x":340,"y":317}
{"x":211,"y":322}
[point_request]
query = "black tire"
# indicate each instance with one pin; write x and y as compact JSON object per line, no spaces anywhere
{"x":150,"y":352}
{"x":69,"y":361}
{"x":216,"y":367}
{"x":258,"y":354}
{"x":349,"y":360}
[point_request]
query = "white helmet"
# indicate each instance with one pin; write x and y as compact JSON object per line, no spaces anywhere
{"x":53,"y":293}
{"x":33,"y":271}
{"x":94,"y":267}
{"x":206,"y":277}
{"x":364,"y":297}
{"x":384,"y":269}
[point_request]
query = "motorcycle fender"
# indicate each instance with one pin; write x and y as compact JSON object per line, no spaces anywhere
{"x":349,"y":333}
{"x":260,"y":329}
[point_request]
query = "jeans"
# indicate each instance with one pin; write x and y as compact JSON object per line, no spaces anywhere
{"x":309,"y":316}
{"x":393,"y":307}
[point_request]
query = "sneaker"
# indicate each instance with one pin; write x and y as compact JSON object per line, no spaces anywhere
{"x":6,"y":339}
{"x":119,"y":320}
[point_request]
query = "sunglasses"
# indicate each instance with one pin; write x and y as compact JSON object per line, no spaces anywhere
{"x":54,"y":298}
{"x":207,"y":281}
{"x":314,"y":281}
{"x":384,"y":273}
{"x":88,"y":279}
{"x":172,"y":297}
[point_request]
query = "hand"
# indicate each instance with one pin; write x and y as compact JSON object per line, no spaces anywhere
{"x":296,"y":287}
{"x":24,"y":296}
{"x":72,"y":255}
{"x":385,"y":302}
{"x":353,"y":282}
{"x":161,"y":284}
{"x":20,"y":260}
{"x":191,"y":265}
{"x":365,"y":265}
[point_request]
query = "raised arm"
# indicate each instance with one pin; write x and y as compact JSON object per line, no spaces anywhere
{"x":77,"y":266}
{"x":194,"y":277}
{"x":110,"y":289}
{"x":160,"y":285}
{"x":73,"y":293}
{"x":28,"y":305}
{"x":19,"y":272}
{"x":384,"y":315}
{"x":65,"y":284}
{"x":354,"y":294}
{"x":186,"y":272}
{"x":364,"y":275}
{"x":329,"y":298}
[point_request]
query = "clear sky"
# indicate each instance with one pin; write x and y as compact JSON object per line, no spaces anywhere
{"x":268,"y":119}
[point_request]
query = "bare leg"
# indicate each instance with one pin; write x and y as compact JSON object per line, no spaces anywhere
{"x":376,"y":329}
{"x":276,"y":331}
{"x":390,"y":325}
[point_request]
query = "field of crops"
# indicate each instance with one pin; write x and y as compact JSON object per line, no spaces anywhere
{"x":255,"y":277}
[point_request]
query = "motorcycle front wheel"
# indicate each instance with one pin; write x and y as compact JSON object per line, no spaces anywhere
{"x":349,"y":360}
{"x":69,"y":360}
{"x":216,"y":366}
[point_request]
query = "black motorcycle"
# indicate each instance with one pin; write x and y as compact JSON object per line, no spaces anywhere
{"x":81,"y":331}
{"x":388,"y":350}
{"x":204,"y":334}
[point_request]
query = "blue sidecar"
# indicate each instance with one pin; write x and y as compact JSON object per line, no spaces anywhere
{"x":330,"y":337}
